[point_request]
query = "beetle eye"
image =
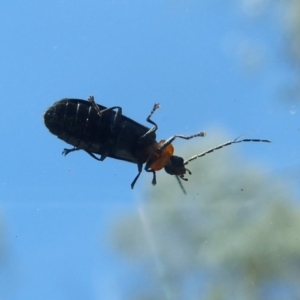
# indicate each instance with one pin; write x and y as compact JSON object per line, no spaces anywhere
{"x":176,"y":166}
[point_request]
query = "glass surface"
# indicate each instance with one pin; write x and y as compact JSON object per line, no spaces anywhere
{"x":72,"y":228}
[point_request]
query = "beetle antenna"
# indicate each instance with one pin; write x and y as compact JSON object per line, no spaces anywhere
{"x":235,"y":141}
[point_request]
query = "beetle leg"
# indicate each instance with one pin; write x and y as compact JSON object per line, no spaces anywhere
{"x":117,"y":115}
{"x":140,"y":168}
{"x":100,"y":112}
{"x":148,"y":169}
{"x":171,"y":139}
{"x":155,"y":107}
{"x":67,"y":151}
{"x":153,"y":129}
{"x":102,"y":157}
{"x":154,"y":176}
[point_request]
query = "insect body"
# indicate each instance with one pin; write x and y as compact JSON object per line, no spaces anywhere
{"x":107,"y":132}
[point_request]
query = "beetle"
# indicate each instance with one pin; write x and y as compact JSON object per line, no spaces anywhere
{"x":103,"y":131}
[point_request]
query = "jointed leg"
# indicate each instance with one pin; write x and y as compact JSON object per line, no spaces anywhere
{"x":67,"y":151}
{"x":171,"y":139}
{"x":140,"y":166}
{"x":154,"y":175}
{"x":100,"y":112}
{"x":153,"y":129}
{"x":102,"y":157}
{"x":139,"y":173}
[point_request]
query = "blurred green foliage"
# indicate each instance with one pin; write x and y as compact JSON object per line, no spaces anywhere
{"x":235,"y":235}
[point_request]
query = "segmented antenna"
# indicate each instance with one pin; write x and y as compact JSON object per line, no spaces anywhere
{"x":235,"y":141}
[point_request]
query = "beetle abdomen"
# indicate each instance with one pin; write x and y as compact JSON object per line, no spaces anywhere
{"x":77,"y":123}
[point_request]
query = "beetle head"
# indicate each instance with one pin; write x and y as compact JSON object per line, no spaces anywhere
{"x":176,"y":167}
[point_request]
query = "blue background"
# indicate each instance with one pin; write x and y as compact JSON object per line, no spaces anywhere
{"x":209,"y":66}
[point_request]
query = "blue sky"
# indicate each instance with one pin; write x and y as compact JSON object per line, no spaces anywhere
{"x":190,"y":56}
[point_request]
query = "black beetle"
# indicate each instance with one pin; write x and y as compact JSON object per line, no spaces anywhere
{"x":97,"y":129}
